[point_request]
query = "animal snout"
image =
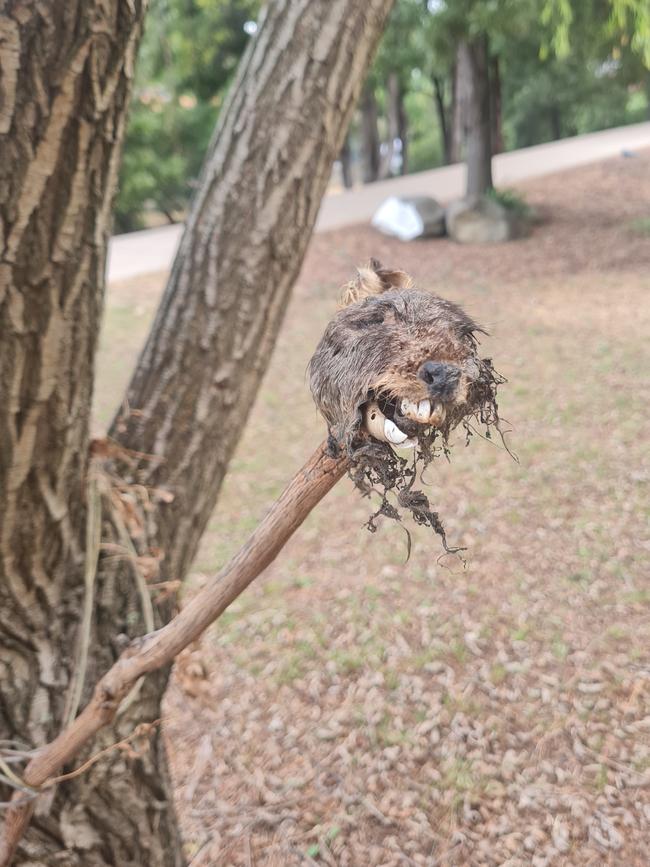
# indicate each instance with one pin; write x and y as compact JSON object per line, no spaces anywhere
{"x":441,"y":378}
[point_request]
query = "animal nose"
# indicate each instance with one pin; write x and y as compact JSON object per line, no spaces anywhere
{"x":441,"y":378}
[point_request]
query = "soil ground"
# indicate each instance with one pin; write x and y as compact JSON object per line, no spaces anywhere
{"x":355,"y":709}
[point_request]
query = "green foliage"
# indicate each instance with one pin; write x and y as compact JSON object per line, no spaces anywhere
{"x":164,"y":147}
{"x":202,"y":43}
{"x":425,"y":149}
{"x":557,"y":97}
{"x":400,"y":50}
{"x":511,"y":200}
{"x":631,"y":18}
{"x":566,"y":67}
{"x":188,"y":56}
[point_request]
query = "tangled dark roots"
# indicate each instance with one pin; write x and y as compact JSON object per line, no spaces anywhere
{"x":376,"y":468}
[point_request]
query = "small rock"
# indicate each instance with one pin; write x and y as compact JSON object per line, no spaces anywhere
{"x":484,"y":221}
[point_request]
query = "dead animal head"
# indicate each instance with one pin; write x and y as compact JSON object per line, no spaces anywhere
{"x":399,"y":368}
{"x":395,"y":362}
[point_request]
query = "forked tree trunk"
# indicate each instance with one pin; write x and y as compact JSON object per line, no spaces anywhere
{"x":65,"y":84}
{"x":369,"y":137}
{"x":473,"y":59}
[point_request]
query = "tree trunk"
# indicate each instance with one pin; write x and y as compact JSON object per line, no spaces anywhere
{"x":496,"y":126}
{"x":346,"y":163}
{"x":66,"y":78}
{"x":555,"y":119}
{"x":443,"y":119}
{"x":460,"y":94}
{"x":397,"y":125}
{"x":64,"y":89}
{"x":369,"y":137}
{"x":473,"y":56}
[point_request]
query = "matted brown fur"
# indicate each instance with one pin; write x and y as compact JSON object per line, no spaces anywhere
{"x":375,"y":349}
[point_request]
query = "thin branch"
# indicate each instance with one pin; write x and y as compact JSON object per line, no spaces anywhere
{"x":143,"y":592}
{"x":157,"y":649}
{"x":93,"y":539}
{"x":139,"y":731}
{"x":140,"y":582}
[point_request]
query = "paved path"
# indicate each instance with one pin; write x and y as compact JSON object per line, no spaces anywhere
{"x":153,"y":249}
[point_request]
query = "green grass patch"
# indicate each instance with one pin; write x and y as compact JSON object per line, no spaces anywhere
{"x":640,"y":226}
{"x":511,"y":200}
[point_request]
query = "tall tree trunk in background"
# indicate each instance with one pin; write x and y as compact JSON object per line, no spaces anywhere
{"x":460,"y":89}
{"x":369,"y":136}
{"x":555,"y":120}
{"x":473,"y":58}
{"x":496,"y":116}
{"x":64,"y":89}
{"x":444,"y":119}
{"x":397,"y":124}
{"x":346,"y":163}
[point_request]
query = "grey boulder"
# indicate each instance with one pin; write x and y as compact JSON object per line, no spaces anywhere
{"x":484,"y":221}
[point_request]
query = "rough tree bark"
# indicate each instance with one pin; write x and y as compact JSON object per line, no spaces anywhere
{"x":369,"y":137}
{"x":65,"y":84}
{"x":473,"y":60}
{"x":65,"y":81}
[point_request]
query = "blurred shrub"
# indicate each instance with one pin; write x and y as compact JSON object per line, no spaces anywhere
{"x":164,"y":147}
{"x":188,"y":57}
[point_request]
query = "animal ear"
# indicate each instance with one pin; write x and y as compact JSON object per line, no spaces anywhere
{"x":373,"y":279}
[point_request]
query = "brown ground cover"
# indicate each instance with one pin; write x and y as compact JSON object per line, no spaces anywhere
{"x":356,"y":709}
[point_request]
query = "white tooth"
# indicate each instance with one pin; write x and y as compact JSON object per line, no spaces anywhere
{"x":393,"y":433}
{"x":424,"y":410}
{"x":410,"y":443}
{"x":409,"y":409}
{"x":374,"y":421}
{"x":437,"y":414}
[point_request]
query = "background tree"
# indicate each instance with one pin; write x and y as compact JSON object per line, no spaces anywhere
{"x":398,"y":55}
{"x":190,"y":395}
{"x":415,"y":96}
{"x":546,"y":51}
{"x":369,"y":133}
{"x":477,"y":30}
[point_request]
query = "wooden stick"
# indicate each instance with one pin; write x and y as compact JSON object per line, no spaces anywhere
{"x":152,"y":651}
